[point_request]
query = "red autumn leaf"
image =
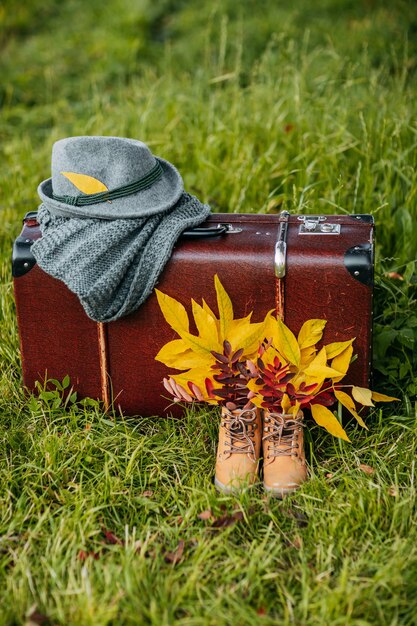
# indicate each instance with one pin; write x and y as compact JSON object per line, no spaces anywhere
{"x":209,"y":388}
{"x":83,"y":555}
{"x":111,"y":537}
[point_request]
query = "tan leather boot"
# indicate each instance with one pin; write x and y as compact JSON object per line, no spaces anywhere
{"x":283,"y":451}
{"x":238,"y":450}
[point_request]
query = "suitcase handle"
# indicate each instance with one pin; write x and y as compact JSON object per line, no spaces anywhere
{"x":202,"y":232}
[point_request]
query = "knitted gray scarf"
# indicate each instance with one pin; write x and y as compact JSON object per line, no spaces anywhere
{"x":112,"y":265}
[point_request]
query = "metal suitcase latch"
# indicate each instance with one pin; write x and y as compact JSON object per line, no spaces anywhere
{"x":317,"y":225}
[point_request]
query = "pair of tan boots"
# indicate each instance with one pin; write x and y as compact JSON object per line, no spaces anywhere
{"x":241,"y":436}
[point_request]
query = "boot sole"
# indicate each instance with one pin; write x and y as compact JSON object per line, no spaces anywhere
{"x":232,"y":488}
{"x":280,"y":493}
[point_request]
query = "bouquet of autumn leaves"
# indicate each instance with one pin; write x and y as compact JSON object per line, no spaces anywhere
{"x":239,"y":364}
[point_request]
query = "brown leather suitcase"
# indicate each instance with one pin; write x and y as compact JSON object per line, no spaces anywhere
{"x":305,"y":266}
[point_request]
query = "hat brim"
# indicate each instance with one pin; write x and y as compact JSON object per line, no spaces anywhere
{"x":163,"y":195}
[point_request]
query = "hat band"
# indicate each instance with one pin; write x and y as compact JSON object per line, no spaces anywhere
{"x":120,"y":192}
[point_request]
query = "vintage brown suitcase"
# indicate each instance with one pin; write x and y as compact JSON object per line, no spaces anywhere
{"x":306,"y":266}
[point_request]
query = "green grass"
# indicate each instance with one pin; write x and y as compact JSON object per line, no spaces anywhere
{"x":262,"y":106}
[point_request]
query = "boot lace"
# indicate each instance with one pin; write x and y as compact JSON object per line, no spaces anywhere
{"x":240,"y":431}
{"x":282,"y":434}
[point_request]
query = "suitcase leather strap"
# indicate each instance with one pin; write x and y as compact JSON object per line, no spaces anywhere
{"x":104,"y":365}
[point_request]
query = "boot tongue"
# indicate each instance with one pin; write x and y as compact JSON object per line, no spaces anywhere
{"x":282,"y":435}
{"x":241,"y":435}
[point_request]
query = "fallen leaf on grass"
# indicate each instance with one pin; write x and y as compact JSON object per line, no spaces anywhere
{"x":111,"y":537}
{"x":261,"y":611}
{"x":227,"y":520}
{"x":36,"y":618}
{"x":394,"y":275}
{"x":329,"y":475}
{"x":393,"y":491}
{"x":175,"y":556}
{"x":83,"y":555}
{"x":367,"y":469}
{"x":204,"y":515}
{"x":147,"y":494}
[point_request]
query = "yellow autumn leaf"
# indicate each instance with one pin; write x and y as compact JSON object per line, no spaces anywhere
{"x":225,"y":307}
{"x":177,"y":354}
{"x":244,"y":334}
{"x":171,"y":350}
{"x":205,"y":323}
{"x":348,"y":403}
{"x":341,"y":362}
{"x":307,"y":355}
{"x":253,"y":386}
{"x":86,"y":184}
{"x":190,"y":359}
{"x":283,"y":340}
{"x":285,"y":403}
{"x":238,"y":330}
{"x":210,"y":312}
{"x":201,"y":345}
{"x":174,"y":312}
{"x":311,"y":332}
{"x":362,"y":395}
{"x":317,"y":371}
{"x":381,"y":397}
{"x":257,"y":401}
{"x":325,"y":418}
{"x":293,"y":410}
{"x":336,"y":348}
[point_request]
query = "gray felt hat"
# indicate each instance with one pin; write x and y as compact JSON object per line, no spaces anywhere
{"x":109,"y":178}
